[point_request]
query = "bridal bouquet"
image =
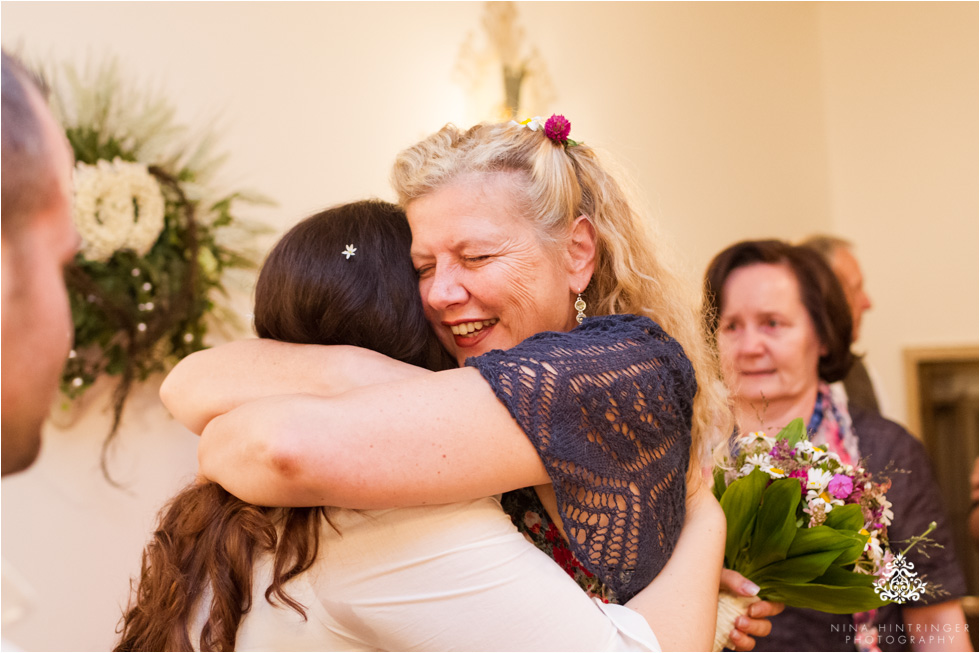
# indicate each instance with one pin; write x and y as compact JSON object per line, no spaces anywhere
{"x":810,"y":531}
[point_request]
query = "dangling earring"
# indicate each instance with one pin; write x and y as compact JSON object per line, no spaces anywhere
{"x":580,"y":307}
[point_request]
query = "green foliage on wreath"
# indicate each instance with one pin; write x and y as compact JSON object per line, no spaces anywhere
{"x":137,"y":314}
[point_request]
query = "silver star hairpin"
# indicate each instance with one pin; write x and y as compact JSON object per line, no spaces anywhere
{"x":349,"y":251}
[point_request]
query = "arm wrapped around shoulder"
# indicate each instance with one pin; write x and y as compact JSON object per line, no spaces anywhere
{"x":608,"y":407}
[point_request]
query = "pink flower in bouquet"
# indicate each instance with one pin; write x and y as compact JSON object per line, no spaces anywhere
{"x":800,"y":473}
{"x":841,"y":486}
{"x":781,"y":451}
{"x":869,"y":516}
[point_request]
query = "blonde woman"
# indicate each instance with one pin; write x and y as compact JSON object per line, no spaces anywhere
{"x":517,"y":232}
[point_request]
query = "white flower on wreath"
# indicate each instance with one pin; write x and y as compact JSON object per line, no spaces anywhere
{"x":117,"y":205}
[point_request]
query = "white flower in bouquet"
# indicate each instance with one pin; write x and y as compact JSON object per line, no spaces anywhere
{"x":875,"y":551}
{"x":757,"y":439}
{"x":806,"y":452}
{"x":823,"y":498}
{"x":818,"y":479}
{"x":818,"y":513}
{"x":886,"y":511}
{"x":756,"y":461}
{"x":775,"y":472}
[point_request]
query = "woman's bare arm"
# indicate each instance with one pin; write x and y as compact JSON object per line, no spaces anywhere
{"x":437,"y":438}
{"x":680,"y":604}
{"x":214,"y":381}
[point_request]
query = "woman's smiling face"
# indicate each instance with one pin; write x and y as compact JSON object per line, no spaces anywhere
{"x":769,"y":348}
{"x":486,"y":279}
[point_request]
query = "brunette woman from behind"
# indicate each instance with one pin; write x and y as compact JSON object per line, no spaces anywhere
{"x":207,"y":541}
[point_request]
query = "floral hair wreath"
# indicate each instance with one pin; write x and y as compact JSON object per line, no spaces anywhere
{"x":556,"y":128}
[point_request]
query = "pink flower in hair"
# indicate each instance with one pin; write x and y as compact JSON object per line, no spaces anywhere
{"x":557,"y":128}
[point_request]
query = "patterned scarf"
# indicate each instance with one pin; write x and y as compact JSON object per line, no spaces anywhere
{"x":831,"y":425}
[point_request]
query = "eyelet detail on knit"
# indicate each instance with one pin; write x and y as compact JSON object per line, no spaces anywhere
{"x":608,"y":407}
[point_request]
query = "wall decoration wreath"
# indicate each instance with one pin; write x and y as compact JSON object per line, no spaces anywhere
{"x":143,"y":287}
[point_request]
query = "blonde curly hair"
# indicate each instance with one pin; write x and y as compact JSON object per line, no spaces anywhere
{"x":634,"y":272}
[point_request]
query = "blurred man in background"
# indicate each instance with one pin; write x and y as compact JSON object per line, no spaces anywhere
{"x":38,"y":239}
{"x":862,"y":392}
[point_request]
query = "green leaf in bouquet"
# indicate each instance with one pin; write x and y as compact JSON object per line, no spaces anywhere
{"x":823,"y":538}
{"x":775,"y":523}
{"x":850,"y":555}
{"x":818,"y":538}
{"x":795,"y":570}
{"x":793,"y":432}
{"x":837,"y":590}
{"x":741,"y":503}
{"x":825,"y":598}
{"x":842,"y":577}
{"x":845,"y":518}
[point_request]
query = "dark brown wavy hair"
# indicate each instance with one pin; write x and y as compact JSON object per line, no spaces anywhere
{"x":820,"y":292}
{"x":206,"y":539}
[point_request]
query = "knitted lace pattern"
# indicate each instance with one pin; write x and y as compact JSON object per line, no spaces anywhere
{"x":608,"y":407}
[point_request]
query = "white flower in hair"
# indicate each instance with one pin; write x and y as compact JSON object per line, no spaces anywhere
{"x":349,"y":251}
{"x":534,"y":124}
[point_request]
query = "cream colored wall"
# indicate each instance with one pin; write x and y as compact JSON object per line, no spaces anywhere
{"x":714,"y":107}
{"x":900,"y":92}
{"x":734,"y":119}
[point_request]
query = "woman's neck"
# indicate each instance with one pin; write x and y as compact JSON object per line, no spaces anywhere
{"x":772,"y":416}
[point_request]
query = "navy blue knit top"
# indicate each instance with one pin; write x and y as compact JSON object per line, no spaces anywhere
{"x":608,"y":407}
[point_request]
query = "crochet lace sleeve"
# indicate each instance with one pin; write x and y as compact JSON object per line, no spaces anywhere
{"x":608,"y":407}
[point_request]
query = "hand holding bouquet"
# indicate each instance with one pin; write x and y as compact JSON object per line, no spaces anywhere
{"x":809,"y":530}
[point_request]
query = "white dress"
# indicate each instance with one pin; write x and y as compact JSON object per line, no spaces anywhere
{"x":434,"y":578}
